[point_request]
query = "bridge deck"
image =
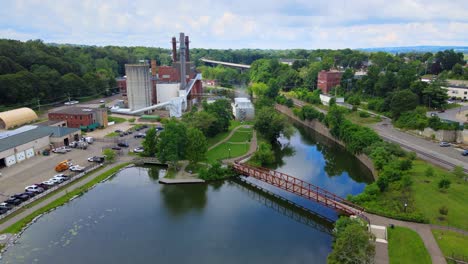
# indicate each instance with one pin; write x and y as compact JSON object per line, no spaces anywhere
{"x":301,"y":188}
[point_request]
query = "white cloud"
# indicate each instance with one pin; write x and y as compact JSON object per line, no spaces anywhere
{"x":238,"y":24}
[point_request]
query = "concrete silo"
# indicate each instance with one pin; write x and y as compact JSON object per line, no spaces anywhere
{"x":138,"y":85}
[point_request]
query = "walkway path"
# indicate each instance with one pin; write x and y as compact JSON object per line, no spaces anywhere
{"x":252,"y":149}
{"x":424,"y":231}
{"x":229,"y":136}
{"x":64,"y":191}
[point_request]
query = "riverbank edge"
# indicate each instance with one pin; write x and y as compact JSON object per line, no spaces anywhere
{"x":324,"y":131}
{"x":76,"y":192}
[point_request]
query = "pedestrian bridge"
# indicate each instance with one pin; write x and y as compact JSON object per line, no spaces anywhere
{"x":301,"y":188}
{"x":227,"y":64}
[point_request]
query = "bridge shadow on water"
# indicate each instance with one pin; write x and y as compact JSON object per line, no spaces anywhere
{"x":284,"y":206}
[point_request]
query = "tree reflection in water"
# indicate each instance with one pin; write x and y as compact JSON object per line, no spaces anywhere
{"x":182,"y":198}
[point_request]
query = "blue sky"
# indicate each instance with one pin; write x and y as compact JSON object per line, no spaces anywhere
{"x":264,"y":24}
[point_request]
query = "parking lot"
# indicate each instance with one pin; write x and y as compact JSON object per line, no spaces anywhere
{"x":40,"y":168}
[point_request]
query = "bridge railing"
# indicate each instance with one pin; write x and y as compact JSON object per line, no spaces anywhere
{"x":300,"y":187}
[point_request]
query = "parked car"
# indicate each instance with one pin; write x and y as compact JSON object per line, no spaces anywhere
{"x":62,"y":176}
{"x":13,"y":201}
{"x":34,"y":188}
{"x":118,"y":131}
{"x":77,"y":168}
{"x":129,"y":132}
{"x":59,"y":150}
{"x":139,"y":135}
{"x":102,"y":101}
{"x":465,"y":152}
{"x":444,"y":144}
{"x":30,"y":194}
{"x":56,"y":180}
{"x":159,"y":128}
{"x":22,"y":196}
{"x":116,"y":148}
{"x":49,"y":183}
{"x":6,"y":206}
{"x":43,"y":186}
{"x":139,"y":150}
{"x":3,"y":211}
{"x":123,"y":144}
{"x":121,"y":134}
{"x":98,"y":159}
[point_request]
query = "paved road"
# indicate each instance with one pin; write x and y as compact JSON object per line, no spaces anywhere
{"x":450,"y":114}
{"x":447,"y":157}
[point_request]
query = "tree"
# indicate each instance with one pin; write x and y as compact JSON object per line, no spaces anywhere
{"x":196,"y":147}
{"x":264,"y":155}
{"x":258,"y":89}
{"x":201,"y":120}
{"x":150,"y":143}
{"x":402,"y":101}
{"x":109,"y":154}
{"x":444,"y":184}
{"x":434,"y":95}
{"x":457,"y":69}
{"x":221,"y":109}
{"x":353,"y":244}
{"x":172,"y":142}
{"x":270,"y":124}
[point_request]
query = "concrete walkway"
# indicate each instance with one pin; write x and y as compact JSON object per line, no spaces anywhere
{"x":424,"y":231}
{"x":252,"y":149}
{"x":67,"y":189}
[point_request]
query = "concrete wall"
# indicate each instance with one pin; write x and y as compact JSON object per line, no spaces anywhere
{"x":138,"y":85}
{"x":444,"y":135}
{"x":323,"y":130}
{"x":166,"y":91}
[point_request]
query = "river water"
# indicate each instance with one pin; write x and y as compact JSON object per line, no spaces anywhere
{"x":131,"y":218}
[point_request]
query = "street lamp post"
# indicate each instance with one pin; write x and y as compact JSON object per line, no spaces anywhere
{"x":229,"y":152}
{"x":405,"y":206}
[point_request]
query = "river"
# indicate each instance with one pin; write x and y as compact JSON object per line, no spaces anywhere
{"x":131,"y":218}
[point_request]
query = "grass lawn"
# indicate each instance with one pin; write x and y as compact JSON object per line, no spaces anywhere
{"x":16,"y":227}
{"x":428,"y":199}
{"x":111,"y":135}
{"x":451,"y":243}
{"x":406,"y":246}
{"x":115,"y":119}
{"x":355,"y":118}
{"x":223,"y":135}
{"x":222,"y":151}
{"x":241,"y":136}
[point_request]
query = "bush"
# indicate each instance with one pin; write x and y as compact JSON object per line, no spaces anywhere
{"x":444,"y":184}
{"x":376,"y":104}
{"x":406,"y":164}
{"x":215,"y":172}
{"x":412,"y":155}
{"x":429,"y":171}
{"x":131,"y":120}
{"x":412,"y":120}
{"x":443,"y":210}
{"x":264,"y":155}
{"x":364,"y":114}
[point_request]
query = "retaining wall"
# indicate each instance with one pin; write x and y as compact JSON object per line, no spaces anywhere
{"x":323,"y":130}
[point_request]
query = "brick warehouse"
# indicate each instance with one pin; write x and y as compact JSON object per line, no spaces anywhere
{"x":328,"y":79}
{"x":84,"y":118}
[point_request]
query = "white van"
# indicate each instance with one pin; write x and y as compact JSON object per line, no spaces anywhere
{"x":90,"y":140}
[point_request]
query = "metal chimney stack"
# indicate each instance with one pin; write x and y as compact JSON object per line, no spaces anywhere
{"x":174,"y":49}
{"x":187,"y":51}
{"x":183,"y":79}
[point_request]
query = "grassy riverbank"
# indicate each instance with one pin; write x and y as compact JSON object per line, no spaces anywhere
{"x":406,"y":247}
{"x":18,"y":226}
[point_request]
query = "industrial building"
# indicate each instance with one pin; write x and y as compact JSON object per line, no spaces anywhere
{"x":174,"y":88}
{"x":84,"y":118}
{"x":243,"y":109}
{"x":457,"y":89}
{"x":26,"y":142}
{"x":328,"y":79}
{"x":16,"y":117}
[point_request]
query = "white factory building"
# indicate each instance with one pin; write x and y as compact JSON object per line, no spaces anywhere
{"x":243,"y":109}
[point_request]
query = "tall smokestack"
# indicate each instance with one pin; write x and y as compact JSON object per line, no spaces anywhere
{"x":182,"y":61}
{"x":187,"y":51}
{"x":174,"y":49}
{"x":153,"y":68}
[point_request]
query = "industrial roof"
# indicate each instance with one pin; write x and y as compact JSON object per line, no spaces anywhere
{"x":17,"y":117}
{"x":74,"y":110}
{"x":33,"y":134}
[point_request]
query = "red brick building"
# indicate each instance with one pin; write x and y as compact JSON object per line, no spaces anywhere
{"x":328,"y":79}
{"x":81,"y":117}
{"x":122,"y":85}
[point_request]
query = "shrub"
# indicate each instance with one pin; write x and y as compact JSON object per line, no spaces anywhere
{"x":443,"y":210}
{"x":376,"y":104}
{"x":364,"y":114}
{"x":444,"y":184}
{"x":412,"y":155}
{"x":131,"y":120}
{"x":458,"y":172}
{"x":406,"y":164}
{"x":429,"y":171}
{"x":215,"y":172}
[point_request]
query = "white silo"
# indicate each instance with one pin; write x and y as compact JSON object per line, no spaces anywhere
{"x":138,"y":85}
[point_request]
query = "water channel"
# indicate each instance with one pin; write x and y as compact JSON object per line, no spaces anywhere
{"x":132,"y":218}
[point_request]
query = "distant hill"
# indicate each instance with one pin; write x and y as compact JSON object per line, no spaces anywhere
{"x":432,"y":49}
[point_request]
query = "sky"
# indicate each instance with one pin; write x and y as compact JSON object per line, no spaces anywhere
{"x":235,"y":24}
